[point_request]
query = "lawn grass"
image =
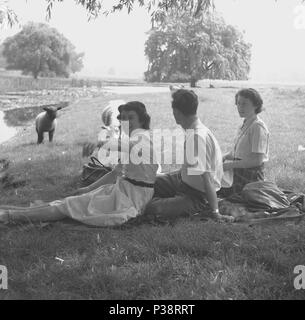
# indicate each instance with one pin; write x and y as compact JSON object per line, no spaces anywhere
{"x":187,"y":260}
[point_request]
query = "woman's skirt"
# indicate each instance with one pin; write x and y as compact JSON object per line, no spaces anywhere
{"x":109,"y":205}
{"x":241,"y":177}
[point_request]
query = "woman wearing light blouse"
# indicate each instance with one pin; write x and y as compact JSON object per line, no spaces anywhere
{"x":116,"y":197}
{"x":251,"y":144}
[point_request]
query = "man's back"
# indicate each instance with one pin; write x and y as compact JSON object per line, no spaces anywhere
{"x":202,"y":154}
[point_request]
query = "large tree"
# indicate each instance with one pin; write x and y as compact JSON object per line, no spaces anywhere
{"x":41,"y":51}
{"x":187,"y":48}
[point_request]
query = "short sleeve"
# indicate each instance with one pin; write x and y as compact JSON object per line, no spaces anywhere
{"x":198,"y":154}
{"x":259,"y":139}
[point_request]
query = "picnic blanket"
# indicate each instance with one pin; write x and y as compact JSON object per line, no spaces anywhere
{"x":264,"y":202}
{"x":260,"y":202}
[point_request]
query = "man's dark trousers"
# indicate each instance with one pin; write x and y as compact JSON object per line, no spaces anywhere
{"x":174,"y":198}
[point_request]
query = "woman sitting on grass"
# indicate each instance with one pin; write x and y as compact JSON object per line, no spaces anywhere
{"x":251,"y":144}
{"x":117,"y":196}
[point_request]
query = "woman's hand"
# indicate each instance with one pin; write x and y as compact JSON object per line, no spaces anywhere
{"x":227,"y":156}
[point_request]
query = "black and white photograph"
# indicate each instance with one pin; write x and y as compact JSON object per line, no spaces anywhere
{"x":152,"y":153}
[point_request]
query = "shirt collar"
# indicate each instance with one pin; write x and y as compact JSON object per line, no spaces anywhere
{"x":249,"y":120}
{"x":138,"y":131}
{"x":247,"y":123}
{"x":195,"y":124}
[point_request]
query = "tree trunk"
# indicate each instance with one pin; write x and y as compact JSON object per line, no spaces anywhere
{"x":193,"y":67}
{"x":193,"y":82}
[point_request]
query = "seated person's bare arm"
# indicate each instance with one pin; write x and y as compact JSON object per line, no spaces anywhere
{"x":254,"y":160}
{"x":212,"y":198}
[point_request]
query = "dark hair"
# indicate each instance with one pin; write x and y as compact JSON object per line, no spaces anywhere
{"x":140,"y":110}
{"x":253,"y":96}
{"x":186,"y":101}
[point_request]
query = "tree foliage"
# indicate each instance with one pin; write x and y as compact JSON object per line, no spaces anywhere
{"x":41,"y":51}
{"x":187,"y":48}
{"x":157,"y":8}
{"x":2,"y":59}
{"x":7,"y":15}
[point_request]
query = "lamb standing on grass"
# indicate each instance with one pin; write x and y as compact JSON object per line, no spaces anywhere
{"x":46,"y":122}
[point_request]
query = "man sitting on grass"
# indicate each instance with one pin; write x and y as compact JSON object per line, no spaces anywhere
{"x":192,"y":189}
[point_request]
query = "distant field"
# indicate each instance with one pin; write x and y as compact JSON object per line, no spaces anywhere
{"x":189,"y":260}
{"x":20,"y":83}
{"x":16,"y":83}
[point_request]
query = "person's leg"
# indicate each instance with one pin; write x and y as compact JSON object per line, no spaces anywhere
{"x":172,"y":198}
{"x":9,"y":207}
{"x":166,"y":186}
{"x":181,"y":205}
{"x":32,"y":214}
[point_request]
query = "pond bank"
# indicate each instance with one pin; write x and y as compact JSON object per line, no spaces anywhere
{"x":6,"y":132}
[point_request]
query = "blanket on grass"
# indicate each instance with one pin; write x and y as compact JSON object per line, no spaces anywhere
{"x":264,"y":202}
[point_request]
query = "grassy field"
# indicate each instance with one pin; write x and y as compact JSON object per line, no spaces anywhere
{"x":12,"y":81}
{"x":187,"y":260}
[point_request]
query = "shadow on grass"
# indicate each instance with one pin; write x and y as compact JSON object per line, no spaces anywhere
{"x":46,"y":143}
{"x":66,"y":260}
{"x":46,"y":177}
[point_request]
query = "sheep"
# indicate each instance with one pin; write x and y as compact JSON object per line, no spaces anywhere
{"x":46,"y":122}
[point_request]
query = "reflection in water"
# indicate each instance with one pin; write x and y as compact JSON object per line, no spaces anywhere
{"x":5,"y":131}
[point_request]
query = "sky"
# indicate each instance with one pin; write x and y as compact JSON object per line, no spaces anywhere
{"x":114,"y":45}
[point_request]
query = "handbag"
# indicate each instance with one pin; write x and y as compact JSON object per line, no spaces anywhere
{"x":92,"y":171}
